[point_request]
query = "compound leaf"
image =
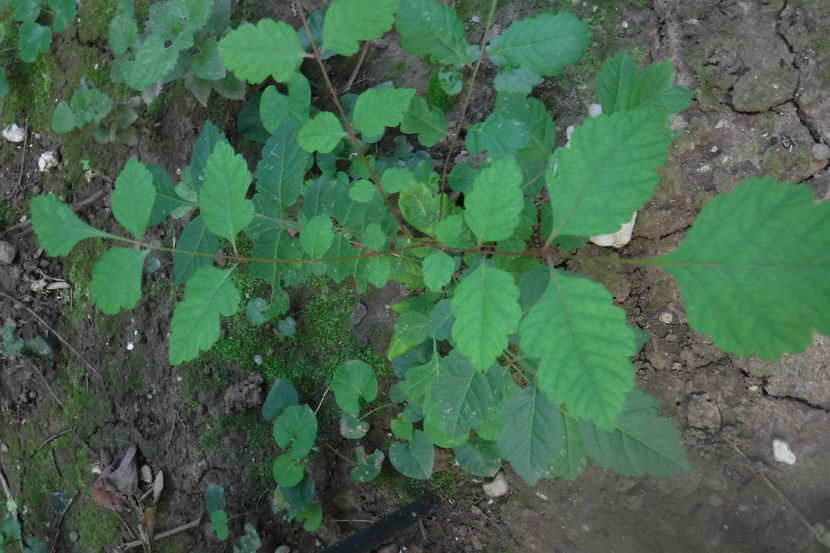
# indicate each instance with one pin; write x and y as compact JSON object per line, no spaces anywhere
{"x":352,"y":381}
{"x":486,"y":309}
{"x":642,"y":442}
{"x":379,"y":108}
{"x":58,"y":229}
{"x":460,"y":396}
{"x":493,"y":206}
{"x":754,"y":269}
{"x":429,"y":123}
{"x":622,"y":87}
{"x":194,"y":238}
{"x":195,"y":325}
{"x":478,"y":457}
{"x":296,"y":429}
{"x":415,"y":459}
{"x":287,"y":471}
{"x":133,"y":197}
{"x":430,"y":28}
{"x":607,"y":172}
{"x":438,"y":269}
{"x":543,"y":44}
{"x":321,"y":133}
{"x":584,"y":346}
{"x":532,"y":436}
{"x":348,"y":22}
{"x":317,"y":236}
{"x":499,"y":136}
{"x":281,"y":396}
{"x":34,"y":40}
{"x":253,"y":52}
{"x":222,"y":196}
{"x":116,"y":279}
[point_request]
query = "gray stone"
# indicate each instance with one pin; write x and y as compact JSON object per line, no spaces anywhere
{"x":7,"y":252}
{"x":821,"y":152}
{"x":804,"y":376}
{"x":498,"y":487}
{"x":703,"y":413}
{"x":759,"y":90}
{"x":74,"y":535}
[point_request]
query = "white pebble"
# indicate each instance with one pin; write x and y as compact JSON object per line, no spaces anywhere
{"x":130,"y":346}
{"x":13,"y":133}
{"x":782,"y":453}
{"x":476,"y":18}
{"x":594,"y":110}
{"x":624,"y":25}
{"x":619,"y":238}
{"x":47,"y":161}
{"x":721,"y":124}
{"x":498,"y":487}
{"x":666,"y":318}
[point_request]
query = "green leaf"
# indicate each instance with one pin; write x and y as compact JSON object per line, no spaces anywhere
{"x":275,"y":107}
{"x":123,"y":33}
{"x":532,"y":435}
{"x":116,"y":279}
{"x":584,"y":345}
{"x":440,"y":437}
{"x":451,"y":232}
{"x":570,"y":463}
{"x":133,"y":197}
{"x":486,"y":309}
{"x":754,"y":269}
{"x":281,"y":396}
{"x":543,"y":44}
{"x":4,"y":85}
{"x":311,"y":517}
{"x":429,"y":123}
{"x":438,"y":270}
{"x":194,"y":238}
{"x":208,"y":138}
{"x":499,"y":136}
{"x":496,"y":201}
{"x":351,"y":427}
{"x":34,"y":545}
{"x":248,"y":543}
{"x":195,"y":325}
{"x":33,"y":40}
{"x":518,"y":80}
{"x":222,"y":196}
{"x":321,"y":134}
{"x":317,"y":236}
{"x":167,"y":200}
{"x":533,"y":158}
{"x":415,"y":459}
{"x":348,"y":22}
{"x":151,"y":62}
{"x":26,"y":10}
{"x":63,"y":13}
{"x":219,"y":523}
{"x":362,"y":191}
{"x":460,"y":395}
{"x":378,"y":270}
{"x":419,"y":207}
{"x":367,"y":467}
{"x":280,"y":171}
{"x":621,"y":87}
{"x":90,"y":105}
{"x":287,"y":471}
{"x":253,"y":52}
{"x":207,"y":64}
{"x":352,"y":381}
{"x":641,"y":443}
{"x":478,"y":457}
{"x":215,"y":498}
{"x":410,"y":330}
{"x":379,"y":108}
{"x":607,"y":172}
{"x":10,"y":528}
{"x":430,"y":28}
{"x":64,"y":119}
{"x":396,"y":179}
{"x":419,"y":380}
{"x":296,"y":429}
{"x":58,"y":229}
{"x":402,"y":427}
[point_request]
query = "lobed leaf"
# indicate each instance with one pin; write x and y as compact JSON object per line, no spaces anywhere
{"x":622,"y":87}
{"x":322,"y":133}
{"x":133,"y":197}
{"x":152,"y":61}
{"x":641,"y":442}
{"x":123,"y":32}
{"x":379,"y":108}
{"x":487,"y":311}
{"x":532,"y":436}
{"x":287,"y":471}
{"x":348,"y":22}
{"x":354,"y":380}
{"x":58,"y":229}
{"x":755,"y":269}
{"x":222,"y":196}
{"x":429,"y":123}
{"x":607,"y":172}
{"x":493,"y":206}
{"x":584,"y":346}
{"x":209,"y":294}
{"x":63,"y":13}
{"x":116,"y":279}
{"x":367,"y":467}
{"x":430,"y":28}
{"x":543,"y":44}
{"x":269,"y":48}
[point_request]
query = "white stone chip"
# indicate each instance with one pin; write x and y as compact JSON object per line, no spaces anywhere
{"x":619,"y":238}
{"x":782,"y":453}
{"x":47,"y":161}
{"x":594,"y":110}
{"x":498,"y":487}
{"x":13,"y":133}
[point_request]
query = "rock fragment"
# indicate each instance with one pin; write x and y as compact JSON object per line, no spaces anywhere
{"x":47,"y":161}
{"x":703,"y":413}
{"x":821,"y":152}
{"x":8,"y":251}
{"x":498,"y":487}
{"x":782,"y":452}
{"x":13,"y":133}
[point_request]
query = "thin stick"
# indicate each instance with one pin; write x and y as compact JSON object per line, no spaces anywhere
{"x":322,"y":399}
{"x":49,"y":388}
{"x":356,"y":69}
{"x":177,"y":530}
{"x":52,"y":439}
{"x":7,"y":491}
{"x":52,"y":330}
{"x":23,"y":161}
{"x":777,"y":491}
{"x":60,"y":522}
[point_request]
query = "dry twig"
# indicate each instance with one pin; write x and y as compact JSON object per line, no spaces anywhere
{"x":177,"y":530}
{"x":60,"y":522}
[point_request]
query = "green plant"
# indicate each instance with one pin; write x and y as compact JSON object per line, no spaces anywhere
{"x":215,"y":503}
{"x":504,"y":353}
{"x":12,"y":344}
{"x":11,"y":533}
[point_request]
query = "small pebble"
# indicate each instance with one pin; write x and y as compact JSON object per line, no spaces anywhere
{"x":74,"y":535}
{"x":47,"y":161}
{"x":666,"y":318}
{"x":498,"y":487}
{"x":821,"y":152}
{"x":594,"y":110}
{"x":782,"y":452}
{"x":8,"y":251}
{"x":13,"y":133}
{"x":476,"y":18}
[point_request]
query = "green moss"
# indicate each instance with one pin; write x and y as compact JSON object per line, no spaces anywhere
{"x":448,"y":483}
{"x":774,"y":163}
{"x":95,"y":19}
{"x":803,"y":157}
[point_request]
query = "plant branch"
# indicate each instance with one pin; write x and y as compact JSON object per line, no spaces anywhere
{"x":465,"y":106}
{"x":344,"y":116}
{"x":138,"y":543}
{"x":60,"y":522}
